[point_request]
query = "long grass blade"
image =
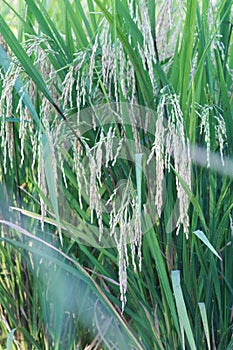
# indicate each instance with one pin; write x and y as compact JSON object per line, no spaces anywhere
{"x":10,"y":340}
{"x":205,"y":240}
{"x":181,"y":308}
{"x":202,"y":309}
{"x":25,"y":61}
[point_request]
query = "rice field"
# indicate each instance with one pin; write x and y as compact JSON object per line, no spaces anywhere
{"x":116,"y":168}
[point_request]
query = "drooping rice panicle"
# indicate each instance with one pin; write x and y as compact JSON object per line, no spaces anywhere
{"x":41,"y":183}
{"x":6,"y":110}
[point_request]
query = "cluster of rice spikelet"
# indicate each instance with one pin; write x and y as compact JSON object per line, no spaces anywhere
{"x":171,"y":143}
{"x":125,"y":227}
{"x":206,"y":115}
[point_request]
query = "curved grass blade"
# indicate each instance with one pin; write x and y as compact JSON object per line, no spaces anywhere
{"x":77,"y":27}
{"x":225,"y":102}
{"x":25,"y":61}
{"x":27,"y":336}
{"x":10,"y":340}
{"x":186,"y":52}
{"x":205,"y":240}
{"x":205,"y":323}
{"x":181,"y":308}
{"x":162,"y":274}
{"x":85,"y":20}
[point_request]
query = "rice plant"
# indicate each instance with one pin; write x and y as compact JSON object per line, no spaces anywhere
{"x":116,"y":174}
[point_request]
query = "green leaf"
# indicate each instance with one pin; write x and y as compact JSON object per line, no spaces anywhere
{"x":225,"y":103}
{"x":205,"y":323}
{"x":186,"y":52}
{"x":162,"y":274}
{"x":25,"y":61}
{"x":192,"y":198}
{"x":205,"y":240}
{"x":10,"y":339}
{"x":181,"y":308}
{"x":77,"y":27}
{"x":85,"y":20}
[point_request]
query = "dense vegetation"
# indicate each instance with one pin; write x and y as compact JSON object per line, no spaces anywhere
{"x":116,"y":174}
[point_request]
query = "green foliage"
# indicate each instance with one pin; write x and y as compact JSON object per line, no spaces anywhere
{"x":72,"y":74}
